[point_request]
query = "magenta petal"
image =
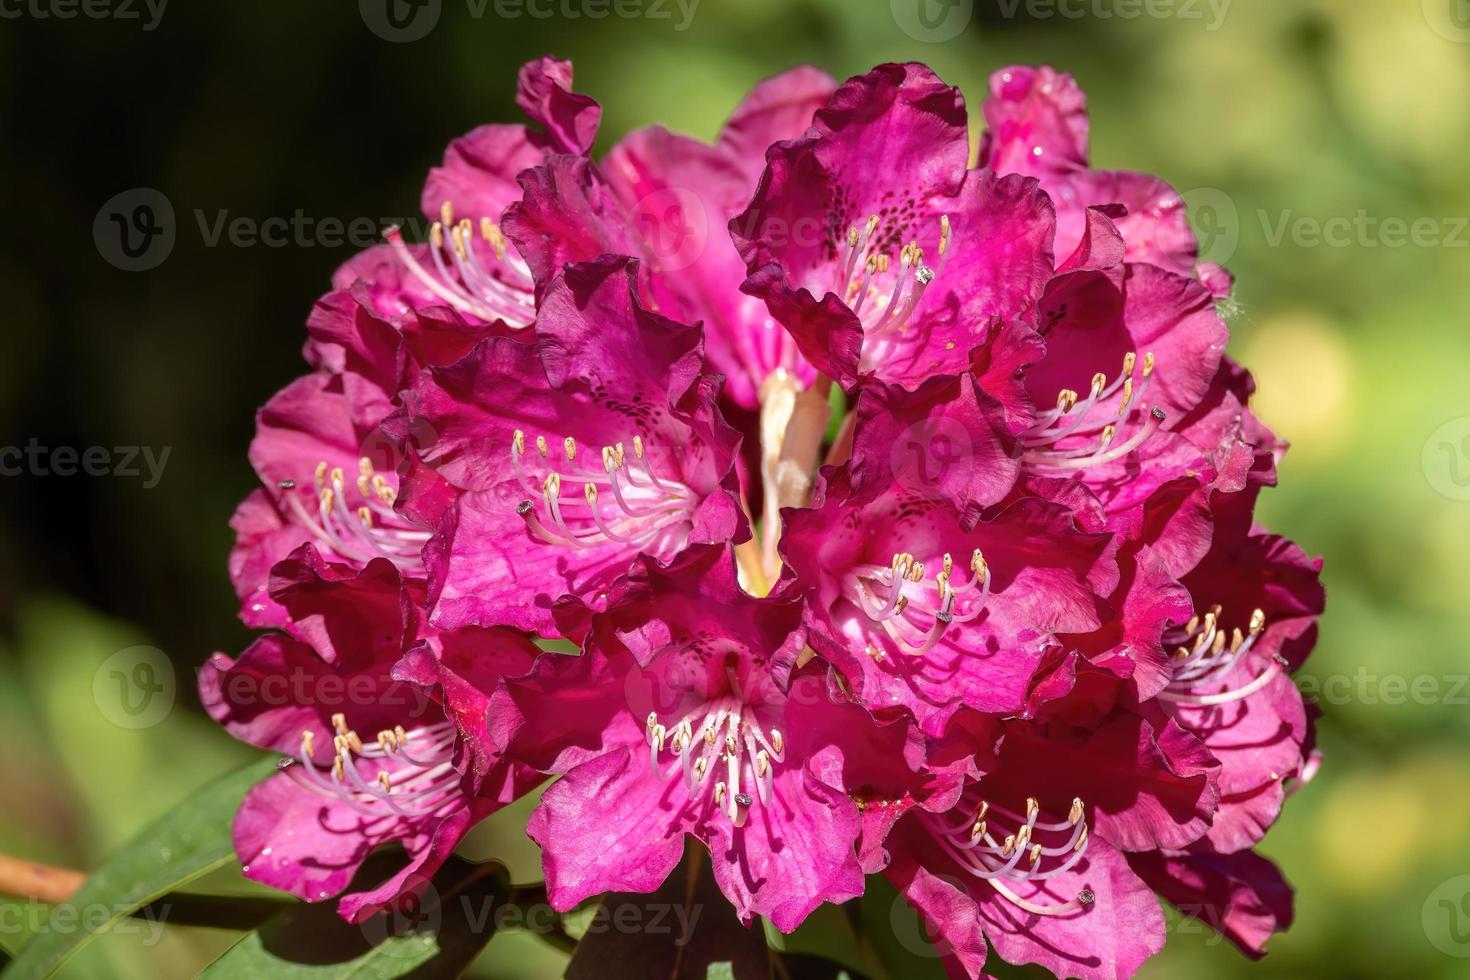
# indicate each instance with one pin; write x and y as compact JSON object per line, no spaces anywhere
{"x":1036,"y":121}
{"x":1242,"y":896}
{"x":544,"y":93}
{"x":795,"y":852}
{"x":608,"y":825}
{"x":311,"y":846}
{"x":779,"y":108}
{"x":1110,"y":940}
{"x":478,"y":175}
{"x":948,"y":911}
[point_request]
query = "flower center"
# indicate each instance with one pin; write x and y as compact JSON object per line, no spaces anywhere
{"x":1206,"y":657}
{"x":415,"y":774}
{"x":721,"y":748}
{"x":882,"y":294}
{"x":985,"y":847}
{"x":1091,"y":432}
{"x":369,"y":529}
{"x":623,"y":500}
{"x":912,"y":613}
{"x":487,"y":280}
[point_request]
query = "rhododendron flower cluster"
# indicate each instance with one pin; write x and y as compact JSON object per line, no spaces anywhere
{"x":824,"y":494}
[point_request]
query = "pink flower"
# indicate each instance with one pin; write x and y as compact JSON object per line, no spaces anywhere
{"x":569,"y":458}
{"x":1037,"y":125}
{"x":383,"y":740}
{"x":467,"y":265}
{"x":926,"y":607}
{"x":1008,"y":634}
{"x":876,"y":247}
{"x":683,"y":716}
{"x":1027,"y":847}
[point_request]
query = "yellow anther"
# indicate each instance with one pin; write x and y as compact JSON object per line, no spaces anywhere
{"x":552,"y":486}
{"x":1081,"y":839}
{"x":569,"y":446}
{"x":1258,"y":622}
{"x":365,"y":514}
{"x":590,"y":492}
{"x":307,"y":739}
{"x":1035,"y":856}
{"x":365,"y":467}
{"x":436,"y":235}
{"x":872,"y":226}
{"x":518,"y":440}
{"x":1107,"y":434}
{"x":446,"y":213}
{"x":1099,"y":380}
{"x":948,"y":564}
{"x":1148,"y":365}
{"x":776,"y":741}
{"x":321,"y":473}
{"x":542,"y":448}
{"x":852,"y":237}
{"x":385,"y":782}
{"x":1075,"y":814}
{"x":337,"y":476}
{"x":339,"y":722}
{"x":1129,"y":359}
{"x":944,"y":232}
{"x":1066,"y":398}
{"x":1032,"y":808}
{"x":1127,"y":397}
{"x":637,"y":446}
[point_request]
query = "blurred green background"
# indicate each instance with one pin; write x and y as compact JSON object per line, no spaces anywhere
{"x":1324,"y":143}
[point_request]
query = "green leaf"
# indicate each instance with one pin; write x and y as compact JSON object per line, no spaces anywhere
{"x":687,"y":930}
{"x":189,"y":841}
{"x":437,"y":936}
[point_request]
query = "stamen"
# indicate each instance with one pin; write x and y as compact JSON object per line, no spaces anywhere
{"x":1206,"y":658}
{"x":503,"y":291}
{"x":642,"y":509}
{"x":1019,"y":858}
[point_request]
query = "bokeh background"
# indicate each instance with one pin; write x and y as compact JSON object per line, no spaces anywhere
{"x":1323,"y":144}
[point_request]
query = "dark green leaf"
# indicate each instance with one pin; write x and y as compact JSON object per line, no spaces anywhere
{"x":687,"y":930}
{"x":189,"y":841}
{"x":437,"y":936}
